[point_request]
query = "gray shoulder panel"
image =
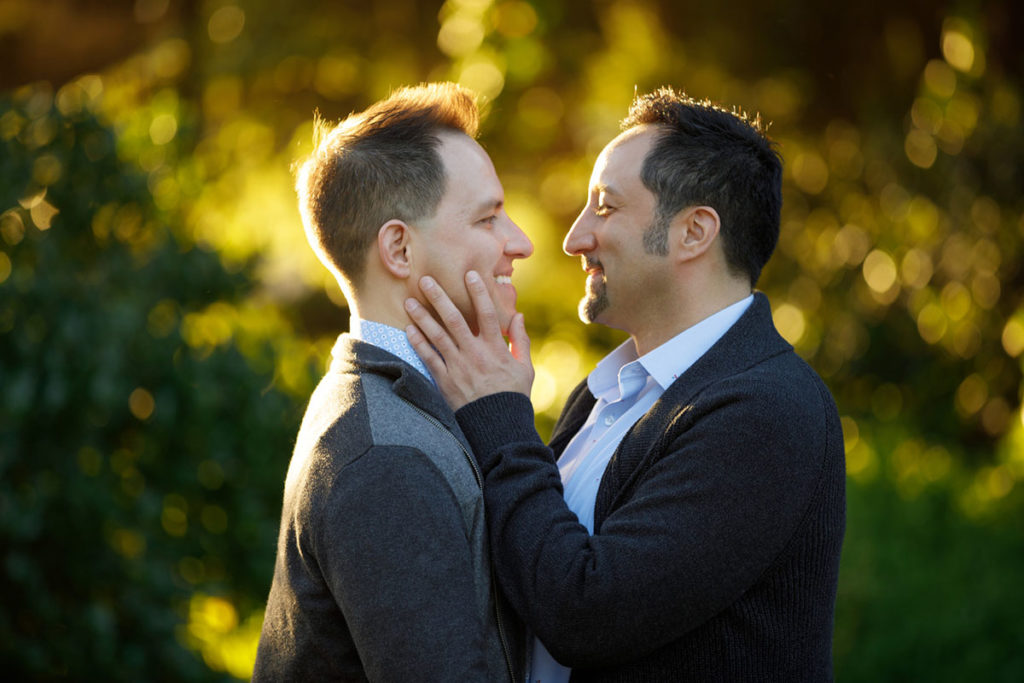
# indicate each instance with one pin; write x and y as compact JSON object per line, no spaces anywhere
{"x":395,"y":422}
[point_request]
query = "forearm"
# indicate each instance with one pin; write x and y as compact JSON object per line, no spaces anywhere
{"x":535,"y":537}
{"x":695,"y":531}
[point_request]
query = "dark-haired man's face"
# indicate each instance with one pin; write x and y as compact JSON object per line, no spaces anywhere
{"x":624,"y":279}
{"x":471,"y":231}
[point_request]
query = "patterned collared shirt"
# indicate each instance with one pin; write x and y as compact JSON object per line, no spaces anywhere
{"x":391,"y":339}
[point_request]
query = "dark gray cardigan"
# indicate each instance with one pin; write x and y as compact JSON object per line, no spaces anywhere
{"x":382,"y":570}
{"x":719,"y":522}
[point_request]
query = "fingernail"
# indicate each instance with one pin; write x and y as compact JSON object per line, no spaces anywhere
{"x":426,"y":282}
{"x":472,"y":276}
{"x":411,"y":304}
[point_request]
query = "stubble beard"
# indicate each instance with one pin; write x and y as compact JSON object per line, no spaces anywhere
{"x":655,"y":241}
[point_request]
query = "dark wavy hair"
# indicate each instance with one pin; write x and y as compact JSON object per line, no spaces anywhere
{"x":706,"y":155}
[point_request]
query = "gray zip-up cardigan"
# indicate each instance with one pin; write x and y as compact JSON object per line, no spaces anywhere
{"x":718,"y":522}
{"x":382,"y":568}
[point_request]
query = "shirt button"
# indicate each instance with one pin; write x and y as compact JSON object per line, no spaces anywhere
{"x":609,"y":420}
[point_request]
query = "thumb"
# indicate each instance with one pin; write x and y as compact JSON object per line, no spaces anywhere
{"x":519,"y":340}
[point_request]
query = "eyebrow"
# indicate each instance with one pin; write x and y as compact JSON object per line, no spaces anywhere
{"x":607,"y":189}
{"x":489,"y":205}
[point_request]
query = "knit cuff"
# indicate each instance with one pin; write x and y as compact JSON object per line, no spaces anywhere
{"x":495,"y":421}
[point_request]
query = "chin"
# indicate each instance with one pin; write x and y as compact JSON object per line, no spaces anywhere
{"x":592,"y":308}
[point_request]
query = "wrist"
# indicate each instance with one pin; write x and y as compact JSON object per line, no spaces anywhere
{"x":494,"y":421}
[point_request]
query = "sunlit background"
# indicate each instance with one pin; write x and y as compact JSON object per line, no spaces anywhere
{"x":162,"y":321}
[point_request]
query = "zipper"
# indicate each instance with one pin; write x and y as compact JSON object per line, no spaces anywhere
{"x":469,"y":458}
{"x":501,"y":628}
{"x":494,"y":586}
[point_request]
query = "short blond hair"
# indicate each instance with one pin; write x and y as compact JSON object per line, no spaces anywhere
{"x":378,"y":165}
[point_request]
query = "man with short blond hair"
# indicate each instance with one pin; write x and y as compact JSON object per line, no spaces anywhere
{"x":383,"y":571}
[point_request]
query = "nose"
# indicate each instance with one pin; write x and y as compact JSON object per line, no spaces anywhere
{"x":579,"y":239}
{"x":518,"y":245}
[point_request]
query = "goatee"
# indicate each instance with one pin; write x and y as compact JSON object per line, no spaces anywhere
{"x":595,"y":301}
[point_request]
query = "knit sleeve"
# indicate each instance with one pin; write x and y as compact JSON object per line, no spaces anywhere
{"x":700,"y":507}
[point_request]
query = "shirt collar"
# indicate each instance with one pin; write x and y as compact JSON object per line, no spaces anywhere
{"x":672,"y":358}
{"x":391,"y":339}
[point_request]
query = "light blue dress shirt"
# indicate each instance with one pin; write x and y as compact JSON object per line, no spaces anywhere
{"x":391,"y":339}
{"x":625,"y":386}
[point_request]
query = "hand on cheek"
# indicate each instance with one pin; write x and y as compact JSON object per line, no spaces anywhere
{"x":468,"y":365}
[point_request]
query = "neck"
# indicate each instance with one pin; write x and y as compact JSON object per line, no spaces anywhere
{"x":378,"y":316}
{"x":691,"y":306}
{"x":380,"y":302}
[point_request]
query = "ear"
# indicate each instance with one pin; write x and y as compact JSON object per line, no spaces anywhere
{"x":393,"y":247}
{"x":699,"y":227}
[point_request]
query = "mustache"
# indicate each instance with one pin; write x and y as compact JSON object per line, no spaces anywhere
{"x":589,"y":263}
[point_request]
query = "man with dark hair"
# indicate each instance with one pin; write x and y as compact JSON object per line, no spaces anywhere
{"x":383,"y":571}
{"x":686,"y":521}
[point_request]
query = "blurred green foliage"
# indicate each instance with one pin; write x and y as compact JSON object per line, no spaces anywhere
{"x":162,"y":319}
{"x":141,"y":437}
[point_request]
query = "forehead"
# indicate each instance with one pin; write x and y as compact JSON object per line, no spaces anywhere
{"x":471,"y":183}
{"x":622,"y":159}
{"x":464,"y":157}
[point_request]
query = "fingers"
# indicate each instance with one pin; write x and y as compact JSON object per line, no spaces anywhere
{"x":429,"y":328}
{"x":446,"y":311}
{"x":427,"y":353}
{"x":486,"y":316}
{"x":519,"y":346}
{"x":519,"y":340}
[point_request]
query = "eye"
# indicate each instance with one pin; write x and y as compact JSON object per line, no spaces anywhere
{"x":603,"y":208}
{"x":488,"y":221}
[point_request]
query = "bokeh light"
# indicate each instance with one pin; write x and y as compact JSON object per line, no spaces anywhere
{"x":159,"y":302}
